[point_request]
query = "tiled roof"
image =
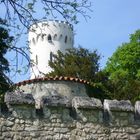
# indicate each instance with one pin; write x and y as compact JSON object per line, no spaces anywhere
{"x":56,"y":78}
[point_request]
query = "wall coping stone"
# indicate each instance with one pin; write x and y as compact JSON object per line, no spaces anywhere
{"x":62,"y":101}
{"x":87,"y":103}
{"x":19,"y":98}
{"x":115,"y":105}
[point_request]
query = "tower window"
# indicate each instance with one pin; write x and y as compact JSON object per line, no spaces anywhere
{"x":60,"y":37}
{"x":33,"y":41}
{"x":49,"y":38}
{"x":36,"y":57}
{"x":42,"y":36}
{"x":51,"y":56}
{"x":66,"y":38}
{"x":38,"y":37}
{"x":55,"y":36}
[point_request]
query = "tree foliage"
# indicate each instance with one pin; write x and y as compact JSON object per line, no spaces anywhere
{"x":27,"y":10}
{"x":124,"y":69}
{"x":5,"y":42}
{"x":76,"y":62}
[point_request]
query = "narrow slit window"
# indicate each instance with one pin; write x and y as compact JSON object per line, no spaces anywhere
{"x":55,"y":37}
{"x":42,"y":36}
{"x":66,"y":38}
{"x":51,"y":56}
{"x":38,"y":37}
{"x":36,"y":60}
{"x":60,"y":37}
{"x":33,"y":41}
{"x":49,"y":38}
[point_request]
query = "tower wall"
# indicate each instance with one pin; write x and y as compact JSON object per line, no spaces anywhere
{"x":45,"y":39}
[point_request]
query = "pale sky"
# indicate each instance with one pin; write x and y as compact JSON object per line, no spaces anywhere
{"x":110,"y":25}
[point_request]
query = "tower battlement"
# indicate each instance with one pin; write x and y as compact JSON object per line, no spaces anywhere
{"x":45,"y":39}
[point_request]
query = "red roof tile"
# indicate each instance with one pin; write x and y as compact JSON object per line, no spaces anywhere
{"x":56,"y":78}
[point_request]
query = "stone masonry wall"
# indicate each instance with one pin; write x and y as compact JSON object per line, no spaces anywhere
{"x":83,"y":118}
{"x":69,"y":89}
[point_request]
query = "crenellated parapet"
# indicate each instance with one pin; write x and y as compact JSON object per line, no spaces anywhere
{"x":86,"y":109}
{"x":60,"y":118}
{"x":51,"y":31}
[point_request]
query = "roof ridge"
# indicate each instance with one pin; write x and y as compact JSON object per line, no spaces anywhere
{"x":52,"y":78}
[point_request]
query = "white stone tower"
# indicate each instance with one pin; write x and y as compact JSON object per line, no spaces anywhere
{"x":45,"y":39}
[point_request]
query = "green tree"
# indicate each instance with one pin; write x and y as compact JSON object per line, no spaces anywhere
{"x":5,"y":42}
{"x":76,"y":62}
{"x":123,"y":69}
{"x":84,"y":64}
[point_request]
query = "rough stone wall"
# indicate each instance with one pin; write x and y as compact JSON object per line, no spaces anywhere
{"x":52,"y":88}
{"x":83,"y":118}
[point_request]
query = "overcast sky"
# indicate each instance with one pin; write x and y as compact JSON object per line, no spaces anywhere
{"x":111,"y":23}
